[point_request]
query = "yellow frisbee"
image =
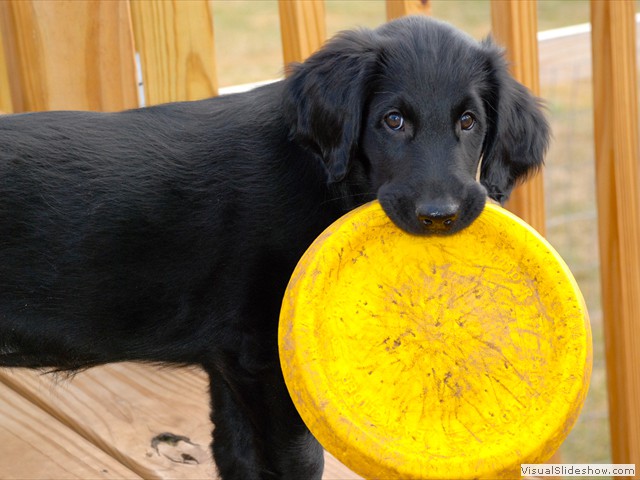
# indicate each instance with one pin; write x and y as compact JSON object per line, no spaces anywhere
{"x":435,"y":357}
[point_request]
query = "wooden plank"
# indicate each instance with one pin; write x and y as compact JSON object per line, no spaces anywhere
{"x":400,"y":8}
{"x":36,"y":446}
{"x":6,"y":105}
{"x":175,"y":42}
{"x":302,"y":26}
{"x":618,"y":182}
{"x":515,"y":25}
{"x":121,"y":408}
{"x":69,"y":54}
{"x":334,"y":470}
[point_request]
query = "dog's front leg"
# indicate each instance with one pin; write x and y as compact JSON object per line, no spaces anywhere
{"x":258,"y":433}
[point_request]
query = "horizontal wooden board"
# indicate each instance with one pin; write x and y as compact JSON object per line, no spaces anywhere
{"x":35,"y":445}
{"x":334,"y":470}
{"x":121,"y":409}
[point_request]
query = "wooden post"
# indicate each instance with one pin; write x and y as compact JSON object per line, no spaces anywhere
{"x":175,"y":42}
{"x":69,"y":54}
{"x":618,"y":181}
{"x":6,"y":105}
{"x":400,"y":8}
{"x":302,"y":27}
{"x":515,"y":25}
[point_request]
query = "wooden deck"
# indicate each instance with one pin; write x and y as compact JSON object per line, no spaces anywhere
{"x":119,"y":421}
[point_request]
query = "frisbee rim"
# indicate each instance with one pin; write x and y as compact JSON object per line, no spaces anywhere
{"x":360,"y":455}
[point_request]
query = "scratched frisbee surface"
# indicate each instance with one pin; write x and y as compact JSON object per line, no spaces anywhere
{"x":435,"y":357}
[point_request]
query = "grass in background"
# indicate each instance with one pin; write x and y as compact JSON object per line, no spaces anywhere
{"x":572,"y":229}
{"x":248,"y":46}
{"x":249,"y":49}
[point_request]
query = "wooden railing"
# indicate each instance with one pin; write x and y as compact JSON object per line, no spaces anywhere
{"x":79,"y":54}
{"x":616,"y":140}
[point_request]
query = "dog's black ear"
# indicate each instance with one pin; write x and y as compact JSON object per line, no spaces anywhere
{"x":518,"y":133}
{"x":325,"y":97}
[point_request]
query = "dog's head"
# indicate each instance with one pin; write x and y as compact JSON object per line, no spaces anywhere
{"x":420,"y":108}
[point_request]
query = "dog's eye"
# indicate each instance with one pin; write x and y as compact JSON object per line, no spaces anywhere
{"x":394,"y":120}
{"x":467,"y":121}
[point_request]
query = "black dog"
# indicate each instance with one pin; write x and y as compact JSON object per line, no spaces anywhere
{"x":168,"y":234}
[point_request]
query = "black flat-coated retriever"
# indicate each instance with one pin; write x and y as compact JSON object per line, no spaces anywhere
{"x":168,"y":234}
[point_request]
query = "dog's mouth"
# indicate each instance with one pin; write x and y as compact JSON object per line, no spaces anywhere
{"x":432,"y":218}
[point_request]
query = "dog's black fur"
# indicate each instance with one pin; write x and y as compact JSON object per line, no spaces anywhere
{"x":168,"y":234}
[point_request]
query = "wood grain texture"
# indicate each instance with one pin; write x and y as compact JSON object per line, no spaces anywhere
{"x":69,"y":54}
{"x":37,"y":446}
{"x":334,"y":470}
{"x":618,"y":179}
{"x":6,"y":105}
{"x":120,"y":408}
{"x":515,"y":25}
{"x":400,"y":8}
{"x":302,"y":27}
{"x":176,"y":45}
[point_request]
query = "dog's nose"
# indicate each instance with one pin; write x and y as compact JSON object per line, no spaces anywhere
{"x":437,"y":217}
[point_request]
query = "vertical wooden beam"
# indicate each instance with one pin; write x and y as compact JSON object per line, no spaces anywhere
{"x":69,"y":54}
{"x":515,"y":25}
{"x":175,"y":42}
{"x":618,"y":184}
{"x":302,"y":26}
{"x":401,"y":8}
{"x":6,"y":105}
